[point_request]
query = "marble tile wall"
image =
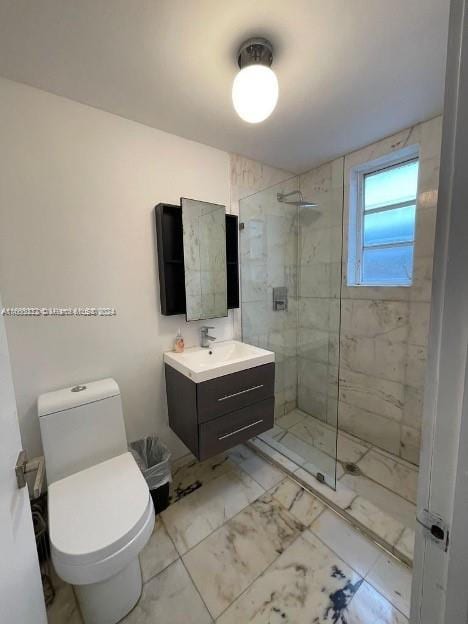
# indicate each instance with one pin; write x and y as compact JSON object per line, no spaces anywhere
{"x":383,"y":335}
{"x":268,"y":254}
{"x":250,"y":176}
{"x":319,"y":266}
{"x":380,"y":347}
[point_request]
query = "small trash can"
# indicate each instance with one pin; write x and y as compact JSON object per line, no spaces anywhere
{"x":152,"y":457}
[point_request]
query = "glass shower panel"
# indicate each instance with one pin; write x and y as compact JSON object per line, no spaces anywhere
{"x":290,"y":285}
{"x":320,"y":252}
{"x":268,"y":251}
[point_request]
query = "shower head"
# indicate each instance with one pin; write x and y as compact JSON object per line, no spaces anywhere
{"x":300,"y":203}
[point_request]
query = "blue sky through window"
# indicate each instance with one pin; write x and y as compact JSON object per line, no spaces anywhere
{"x":392,"y":226}
{"x":391,"y":186}
{"x":388,"y":225}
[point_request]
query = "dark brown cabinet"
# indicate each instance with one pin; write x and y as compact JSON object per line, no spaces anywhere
{"x":171,"y":259}
{"x":215,"y":415}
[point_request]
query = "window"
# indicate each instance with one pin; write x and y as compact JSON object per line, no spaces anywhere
{"x":382,"y":221}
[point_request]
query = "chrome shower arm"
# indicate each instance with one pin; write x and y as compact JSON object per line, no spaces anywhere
{"x":282,"y":197}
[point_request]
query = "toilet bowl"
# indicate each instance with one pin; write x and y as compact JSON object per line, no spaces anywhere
{"x":101,"y":514}
{"x":100,"y":519}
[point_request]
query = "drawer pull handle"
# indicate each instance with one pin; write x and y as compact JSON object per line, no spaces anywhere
{"x":228,"y":435}
{"x":230,"y":396}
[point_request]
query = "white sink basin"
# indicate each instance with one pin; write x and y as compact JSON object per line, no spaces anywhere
{"x":221,"y":358}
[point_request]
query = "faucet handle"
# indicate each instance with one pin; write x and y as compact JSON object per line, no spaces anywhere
{"x":205,"y":336}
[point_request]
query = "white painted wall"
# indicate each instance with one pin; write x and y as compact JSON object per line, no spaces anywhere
{"x":77,"y":192}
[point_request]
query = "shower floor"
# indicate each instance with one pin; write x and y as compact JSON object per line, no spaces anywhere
{"x":374,"y":489}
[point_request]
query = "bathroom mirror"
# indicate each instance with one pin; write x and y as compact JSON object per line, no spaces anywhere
{"x":204,"y":240}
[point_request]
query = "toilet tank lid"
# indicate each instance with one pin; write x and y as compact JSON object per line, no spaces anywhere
{"x":68,"y":398}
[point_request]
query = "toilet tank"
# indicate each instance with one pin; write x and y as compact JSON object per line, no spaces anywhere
{"x":80,"y":427}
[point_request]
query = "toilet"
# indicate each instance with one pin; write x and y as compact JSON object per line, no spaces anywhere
{"x":100,"y":511}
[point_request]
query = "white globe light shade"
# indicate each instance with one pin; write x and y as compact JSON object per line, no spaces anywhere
{"x":255,"y":93}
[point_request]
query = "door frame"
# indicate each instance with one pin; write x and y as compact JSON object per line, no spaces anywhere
{"x":439,"y":581}
{"x":21,"y":592}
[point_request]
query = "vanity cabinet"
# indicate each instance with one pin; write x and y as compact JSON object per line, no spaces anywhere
{"x":215,"y":415}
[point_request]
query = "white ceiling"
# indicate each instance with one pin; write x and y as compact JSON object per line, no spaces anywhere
{"x":350,"y":71}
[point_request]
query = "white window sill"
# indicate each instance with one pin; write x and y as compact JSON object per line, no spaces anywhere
{"x":371,"y":285}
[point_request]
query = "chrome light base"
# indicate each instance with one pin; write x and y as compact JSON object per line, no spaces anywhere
{"x":255,"y":51}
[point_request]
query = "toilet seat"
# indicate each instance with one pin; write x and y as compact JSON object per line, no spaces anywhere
{"x":100,"y":519}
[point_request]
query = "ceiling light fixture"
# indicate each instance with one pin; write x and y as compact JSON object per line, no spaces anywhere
{"x":255,"y":88}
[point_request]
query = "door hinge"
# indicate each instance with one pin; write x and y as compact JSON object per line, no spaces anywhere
{"x":23,"y":467}
{"x":435,"y":528}
{"x":241,"y":225}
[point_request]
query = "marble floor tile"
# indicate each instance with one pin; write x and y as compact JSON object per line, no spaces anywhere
{"x":327,"y":438}
{"x":390,"y":472}
{"x":370,"y":607}
{"x":348,"y":543}
{"x":226,"y":562}
{"x":158,"y":553}
{"x":194,"y":517}
{"x":301,"y":504}
{"x":290,"y":419}
{"x":393,"y":580}
{"x":240,"y":453}
{"x":169,"y":598}
{"x":378,"y":509}
{"x":342,"y":497}
{"x":350,"y":449}
{"x":273,"y":450}
{"x":405,"y":544}
{"x":247,"y":557}
{"x":398,"y":508}
{"x":317,"y":434}
{"x":275,"y":433}
{"x":286,"y":450}
{"x":307,"y":583}
{"x":262,"y":471}
{"x":310,"y":455}
{"x":190,"y":474}
{"x":331,"y":470}
{"x":403,"y":462}
{"x":375,"y":520}
{"x":64,"y":607}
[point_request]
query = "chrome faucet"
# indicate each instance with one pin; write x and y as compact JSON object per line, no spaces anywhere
{"x":205,"y":336}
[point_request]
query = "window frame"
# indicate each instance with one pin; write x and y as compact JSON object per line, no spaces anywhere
{"x":356,"y":213}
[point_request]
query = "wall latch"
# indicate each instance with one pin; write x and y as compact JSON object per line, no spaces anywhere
{"x":23,"y":467}
{"x":435,"y":528}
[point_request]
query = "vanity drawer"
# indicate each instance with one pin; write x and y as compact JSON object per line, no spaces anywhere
{"x":225,"y":432}
{"x":232,"y":392}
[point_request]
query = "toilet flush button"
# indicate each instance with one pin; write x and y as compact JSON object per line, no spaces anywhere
{"x":78,"y":388}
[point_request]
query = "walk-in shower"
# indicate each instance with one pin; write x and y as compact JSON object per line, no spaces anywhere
{"x":349,"y":359}
{"x":292,"y":246}
{"x":350,"y":353}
